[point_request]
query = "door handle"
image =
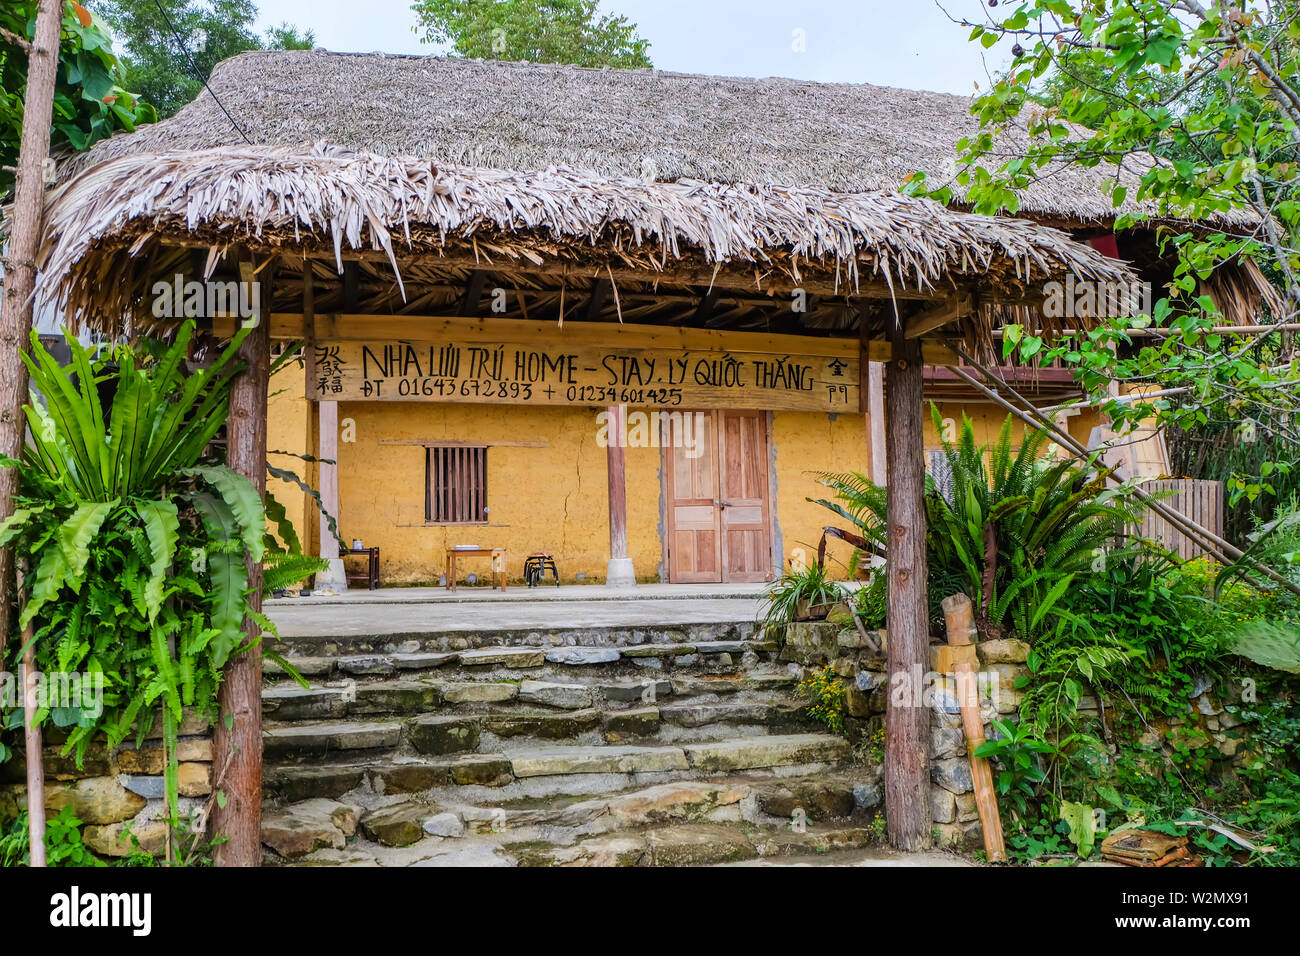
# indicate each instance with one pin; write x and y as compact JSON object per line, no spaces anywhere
{"x":720,"y":504}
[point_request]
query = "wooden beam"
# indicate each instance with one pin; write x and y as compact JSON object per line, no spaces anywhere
{"x":704,"y":311}
{"x":599,"y":292}
{"x":416,"y":328}
{"x":473,"y":292}
{"x":237,"y":738}
{"x":937,"y":316}
{"x":351,"y":276}
{"x":907,"y":719}
{"x":738,"y":277}
{"x":959,"y":618}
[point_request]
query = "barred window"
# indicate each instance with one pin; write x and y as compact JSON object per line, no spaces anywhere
{"x":456,"y":484}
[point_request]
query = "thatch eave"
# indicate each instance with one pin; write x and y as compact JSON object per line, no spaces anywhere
{"x":107,"y":226}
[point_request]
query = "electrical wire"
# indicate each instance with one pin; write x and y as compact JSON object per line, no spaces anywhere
{"x":197,"y":74}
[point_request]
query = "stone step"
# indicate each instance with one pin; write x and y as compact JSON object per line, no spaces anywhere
{"x":437,"y":639}
{"x":283,"y":741}
{"x":521,"y":719}
{"x":404,"y":803}
{"x":326,"y":833}
{"x":449,"y":760}
{"x":513,"y":659}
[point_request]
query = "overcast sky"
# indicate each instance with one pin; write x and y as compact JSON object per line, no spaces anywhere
{"x":903,"y":43}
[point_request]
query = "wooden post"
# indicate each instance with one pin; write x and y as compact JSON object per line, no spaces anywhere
{"x":328,"y":443}
{"x":960,"y":620}
{"x":876,"y":421}
{"x":620,"y":572}
{"x":240,"y":698}
{"x":16,"y":307}
{"x":907,"y":720}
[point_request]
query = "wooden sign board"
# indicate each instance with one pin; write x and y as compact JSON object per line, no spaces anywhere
{"x":579,"y":372}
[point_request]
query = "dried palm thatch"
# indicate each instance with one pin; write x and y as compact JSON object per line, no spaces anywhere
{"x":648,"y":124}
{"x":106,"y":225}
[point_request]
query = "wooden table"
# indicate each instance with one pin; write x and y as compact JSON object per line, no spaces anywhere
{"x":454,"y":553}
{"x":371,"y":574}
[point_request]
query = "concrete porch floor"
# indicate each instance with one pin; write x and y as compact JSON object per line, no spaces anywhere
{"x":407,"y":610}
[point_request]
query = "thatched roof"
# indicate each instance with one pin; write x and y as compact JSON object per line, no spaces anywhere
{"x":107,"y":226}
{"x":844,"y":137}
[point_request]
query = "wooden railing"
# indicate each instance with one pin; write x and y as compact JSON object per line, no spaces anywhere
{"x":1202,"y":501}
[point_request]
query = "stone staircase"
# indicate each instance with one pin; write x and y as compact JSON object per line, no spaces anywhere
{"x":574,"y":746}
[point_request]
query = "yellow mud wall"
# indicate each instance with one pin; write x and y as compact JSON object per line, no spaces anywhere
{"x":807,"y":443}
{"x":546,"y":487}
{"x":288,"y":428}
{"x":547,"y":481}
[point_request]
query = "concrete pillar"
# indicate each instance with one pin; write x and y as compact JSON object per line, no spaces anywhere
{"x":619,"y":572}
{"x":333,"y":577}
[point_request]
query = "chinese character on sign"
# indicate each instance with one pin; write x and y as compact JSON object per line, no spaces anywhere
{"x":837,"y":367}
{"x":329,"y":369}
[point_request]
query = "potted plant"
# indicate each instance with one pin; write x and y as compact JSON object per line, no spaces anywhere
{"x":804,"y":594}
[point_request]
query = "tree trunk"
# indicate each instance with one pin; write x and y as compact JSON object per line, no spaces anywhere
{"x":240,"y":820}
{"x":24,"y":228}
{"x":907,"y":720}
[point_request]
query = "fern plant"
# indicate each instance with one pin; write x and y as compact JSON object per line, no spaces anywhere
{"x":136,"y":535}
{"x":1009,"y":528}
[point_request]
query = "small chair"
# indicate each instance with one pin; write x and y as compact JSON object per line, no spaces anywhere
{"x":536,"y":566}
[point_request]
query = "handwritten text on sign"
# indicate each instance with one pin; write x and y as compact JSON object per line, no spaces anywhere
{"x":579,"y":375}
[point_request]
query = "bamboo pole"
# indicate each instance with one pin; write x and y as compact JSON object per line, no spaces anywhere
{"x":16,"y":309}
{"x":35,"y":752}
{"x":959,"y":618}
{"x":1217,"y":547}
{"x":1184,"y":524}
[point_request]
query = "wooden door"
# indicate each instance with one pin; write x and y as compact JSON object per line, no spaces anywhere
{"x":744,"y":512}
{"x":716,"y":485}
{"x":691,"y":478}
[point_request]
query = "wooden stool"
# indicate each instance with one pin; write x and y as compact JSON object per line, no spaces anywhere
{"x":497,"y":556}
{"x":371,"y":574}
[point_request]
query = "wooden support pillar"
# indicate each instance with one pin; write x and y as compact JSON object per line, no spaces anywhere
{"x":620,"y":572}
{"x":328,"y":442}
{"x":240,"y":698}
{"x":875,"y":379}
{"x":907,"y":720}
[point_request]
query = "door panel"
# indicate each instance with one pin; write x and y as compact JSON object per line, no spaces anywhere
{"x":745,"y":515}
{"x":719,"y":515}
{"x":694,"y":541}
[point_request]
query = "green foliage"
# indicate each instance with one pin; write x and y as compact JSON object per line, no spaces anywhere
{"x":136,"y":537}
{"x":90,"y":102}
{"x":870,"y":602}
{"x":63,"y":846}
{"x":281,"y":570}
{"x":539,"y":31}
{"x":1018,"y":755}
{"x":1269,"y":644}
{"x":1210,"y":90}
{"x":212,"y":31}
{"x":1141,"y":626}
{"x":1081,"y":820}
{"x":812,"y":585}
{"x":826,"y":692}
{"x":1042,"y":522}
